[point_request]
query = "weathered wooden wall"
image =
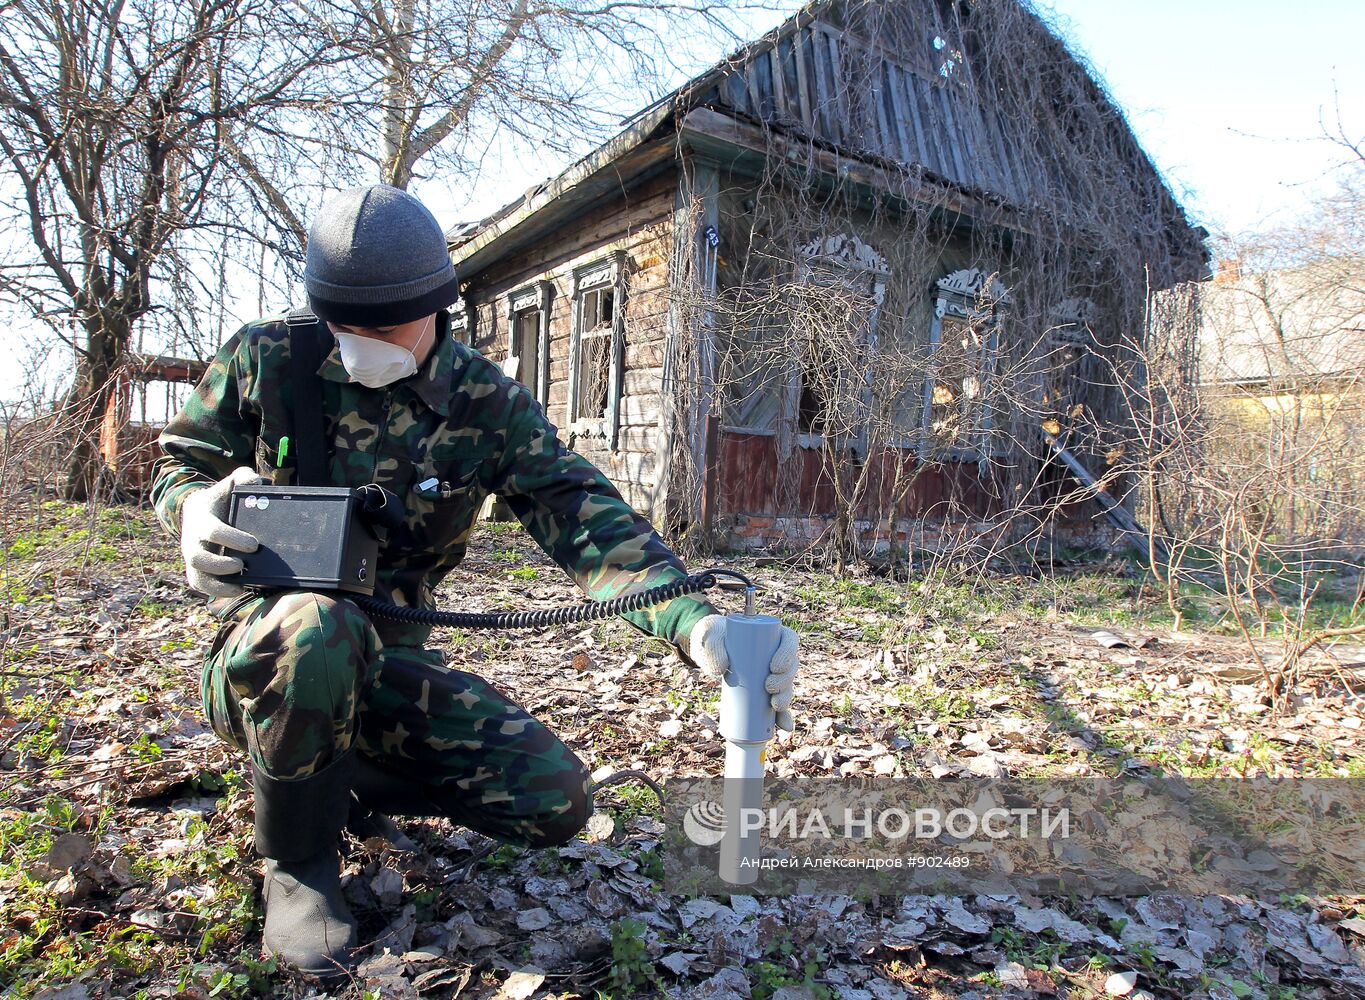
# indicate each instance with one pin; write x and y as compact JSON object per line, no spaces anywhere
{"x":637,"y":223}
{"x":894,"y":103}
{"x":773,"y":480}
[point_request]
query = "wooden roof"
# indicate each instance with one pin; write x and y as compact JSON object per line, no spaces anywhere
{"x":907,"y":112}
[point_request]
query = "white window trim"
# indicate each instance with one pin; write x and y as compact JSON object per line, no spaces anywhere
{"x":534,"y":297}
{"x":606,"y":272}
{"x":958,"y":295}
{"x":462,"y":326}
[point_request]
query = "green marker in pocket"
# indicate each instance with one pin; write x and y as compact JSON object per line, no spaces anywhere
{"x":283,"y":452}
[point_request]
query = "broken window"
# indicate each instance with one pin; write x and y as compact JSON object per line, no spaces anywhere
{"x":948,"y":56}
{"x":598,"y":348}
{"x":752,"y":376}
{"x":958,"y":394}
{"x":527,"y":347}
{"x":838,"y":305}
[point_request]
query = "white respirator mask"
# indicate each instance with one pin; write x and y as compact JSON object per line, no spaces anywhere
{"x":376,"y":363}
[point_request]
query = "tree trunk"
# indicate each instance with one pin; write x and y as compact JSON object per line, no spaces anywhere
{"x":88,"y":402}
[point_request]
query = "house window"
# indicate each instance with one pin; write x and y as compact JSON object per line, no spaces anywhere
{"x":598,"y":350}
{"x":597,"y":314}
{"x":840,"y":296}
{"x":528,"y":337}
{"x":959,"y":391}
{"x":461,"y":325}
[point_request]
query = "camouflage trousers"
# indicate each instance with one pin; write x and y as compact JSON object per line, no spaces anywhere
{"x":297,"y":678}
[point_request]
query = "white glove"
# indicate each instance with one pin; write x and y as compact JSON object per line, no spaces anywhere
{"x":202,"y":524}
{"x":708,"y":652}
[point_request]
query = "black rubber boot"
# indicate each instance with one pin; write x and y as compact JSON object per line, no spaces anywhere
{"x":307,"y":923}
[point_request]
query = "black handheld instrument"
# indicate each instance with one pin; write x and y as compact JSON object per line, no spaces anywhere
{"x":327,"y":538}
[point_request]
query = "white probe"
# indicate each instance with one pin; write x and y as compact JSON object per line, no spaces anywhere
{"x":746,"y":723}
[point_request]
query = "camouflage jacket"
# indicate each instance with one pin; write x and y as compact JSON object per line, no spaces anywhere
{"x":460,"y":422}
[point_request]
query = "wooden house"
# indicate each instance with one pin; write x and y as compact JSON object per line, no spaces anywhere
{"x":830,"y":288}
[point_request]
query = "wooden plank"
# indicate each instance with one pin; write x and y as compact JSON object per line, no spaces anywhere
{"x":983,"y":155}
{"x":790,"y":101}
{"x":895,"y":96}
{"x":632,"y":217}
{"x":736,"y":90}
{"x":1020,"y":191}
{"x":1010,"y":182}
{"x":643,"y":381}
{"x":842,"y":85}
{"x":953,"y":135}
{"x":710,"y":132}
{"x":826,"y":126}
{"x":986,"y":168}
{"x":586,"y":184}
{"x":760,"y":74}
{"x":640,"y":410}
{"x":648,"y":355}
{"x":924,"y":134}
{"x":784,"y":81}
{"x":1008,"y":187}
{"x":935,"y":128}
{"x":1134,"y":533}
{"x":888,"y":139}
{"x":804,"y":84}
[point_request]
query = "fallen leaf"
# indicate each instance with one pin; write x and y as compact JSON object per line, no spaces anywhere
{"x":521,"y":984}
{"x":1120,"y":984}
{"x":534,"y":919}
{"x":68,"y":851}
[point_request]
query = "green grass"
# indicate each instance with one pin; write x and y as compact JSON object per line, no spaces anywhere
{"x":634,"y":800}
{"x":703,"y":701}
{"x":63,"y":528}
{"x":632,"y":970}
{"x":40,"y":947}
{"x":843,"y":594}
{"x":501,"y":527}
{"x":158,"y":609}
{"x":59,"y":543}
{"x":37,"y":951}
{"x":915,"y":702}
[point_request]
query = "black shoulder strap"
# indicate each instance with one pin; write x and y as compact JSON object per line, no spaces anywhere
{"x":309,"y":444}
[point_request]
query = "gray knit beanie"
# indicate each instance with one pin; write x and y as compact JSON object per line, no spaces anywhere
{"x":377,"y":257}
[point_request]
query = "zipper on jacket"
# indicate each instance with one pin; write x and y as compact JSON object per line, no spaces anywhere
{"x":383,"y":433}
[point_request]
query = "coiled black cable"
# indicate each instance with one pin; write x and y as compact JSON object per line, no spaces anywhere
{"x":546,"y":617}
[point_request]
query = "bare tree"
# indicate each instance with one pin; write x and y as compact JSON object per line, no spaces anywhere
{"x":1246,"y":434}
{"x":444,"y":78}
{"x":116,"y":119}
{"x":153,"y":148}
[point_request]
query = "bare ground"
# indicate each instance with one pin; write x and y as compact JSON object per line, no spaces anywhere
{"x":126,"y":867}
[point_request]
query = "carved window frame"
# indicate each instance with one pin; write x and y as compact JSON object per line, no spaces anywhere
{"x":528,"y":299}
{"x":462,"y":324}
{"x":589,"y":281}
{"x":855,"y":260}
{"x":961,"y":295}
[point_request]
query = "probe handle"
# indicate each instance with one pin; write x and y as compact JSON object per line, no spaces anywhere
{"x":746,"y":713}
{"x":746,"y":722}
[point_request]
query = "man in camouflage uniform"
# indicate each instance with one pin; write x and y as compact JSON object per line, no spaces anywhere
{"x":327,"y":702}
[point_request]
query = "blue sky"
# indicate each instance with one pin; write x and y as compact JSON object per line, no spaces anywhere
{"x":1226,"y":96}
